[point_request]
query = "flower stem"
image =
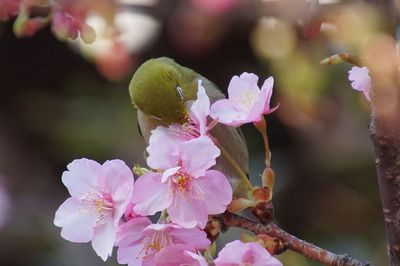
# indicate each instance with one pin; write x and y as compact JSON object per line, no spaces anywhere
{"x":262,"y":128}
{"x":239,"y":170}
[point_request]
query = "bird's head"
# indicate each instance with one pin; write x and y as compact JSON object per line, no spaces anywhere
{"x":160,"y":87}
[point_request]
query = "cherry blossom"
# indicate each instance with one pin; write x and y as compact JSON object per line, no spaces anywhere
{"x":246,"y":103}
{"x":179,"y":255}
{"x":100,"y":195}
{"x":184,"y":185}
{"x":194,"y":127}
{"x":69,"y":20}
{"x":142,"y":243}
{"x":8,"y":8}
{"x":238,"y":253}
{"x":361,"y":81}
{"x":164,"y":142}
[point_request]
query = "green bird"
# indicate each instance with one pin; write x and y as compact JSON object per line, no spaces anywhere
{"x":159,"y":90}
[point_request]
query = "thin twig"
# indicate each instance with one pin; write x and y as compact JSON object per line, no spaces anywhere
{"x":309,"y":250}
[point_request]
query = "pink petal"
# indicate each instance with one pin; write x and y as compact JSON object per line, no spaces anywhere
{"x":169,"y":172}
{"x":77,"y":225}
{"x":262,"y":103}
{"x":198,"y":155}
{"x":104,"y":240}
{"x":193,"y":237}
{"x":217,"y":191}
{"x":81,"y":176}
{"x":114,"y":175}
{"x":162,"y":149}
{"x":268,"y":87}
{"x":201,"y":108}
{"x":226,"y":113}
{"x":188,"y":212}
{"x":150,"y":195}
{"x":200,"y":259}
{"x":361,"y":81}
{"x":117,"y":179}
{"x":238,"y":253}
{"x":131,"y":255}
{"x":246,"y":81}
{"x":176,"y":255}
{"x":132,"y":231}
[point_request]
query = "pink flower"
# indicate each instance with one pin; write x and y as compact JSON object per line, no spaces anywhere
{"x":246,"y":103}
{"x":100,"y":195}
{"x":179,"y":255}
{"x":69,"y":20}
{"x":184,"y":186}
{"x":195,"y":126}
{"x":142,"y":243}
{"x":164,"y":143}
{"x":360,"y":80}
{"x":238,"y":253}
{"x":9,"y":8}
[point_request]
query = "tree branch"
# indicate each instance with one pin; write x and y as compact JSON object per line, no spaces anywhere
{"x":309,"y":250}
{"x":385,"y":135}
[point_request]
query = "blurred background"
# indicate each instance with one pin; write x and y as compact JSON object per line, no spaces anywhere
{"x":62,"y":100}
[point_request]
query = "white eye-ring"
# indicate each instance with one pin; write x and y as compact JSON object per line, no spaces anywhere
{"x":180,"y":92}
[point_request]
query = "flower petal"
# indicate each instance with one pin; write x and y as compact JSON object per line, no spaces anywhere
{"x":82,"y":174}
{"x":162,"y":149}
{"x":104,"y":240}
{"x":150,"y":195}
{"x":226,"y":113}
{"x":130,"y":255}
{"x":167,"y":173}
{"x":193,"y":237}
{"x":188,"y":212}
{"x":77,"y":223}
{"x":217,"y":191}
{"x":239,"y":253}
{"x":201,"y":108}
{"x":132,"y":231}
{"x":198,"y":155}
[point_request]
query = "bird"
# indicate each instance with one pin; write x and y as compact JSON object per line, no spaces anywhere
{"x":159,"y":89}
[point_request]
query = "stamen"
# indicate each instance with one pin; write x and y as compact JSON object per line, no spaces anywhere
{"x":99,"y":202}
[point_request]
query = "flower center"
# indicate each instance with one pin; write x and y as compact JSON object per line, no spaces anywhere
{"x":99,"y":202}
{"x":182,"y":181}
{"x":246,"y":100}
{"x":188,"y":130}
{"x":158,"y":241}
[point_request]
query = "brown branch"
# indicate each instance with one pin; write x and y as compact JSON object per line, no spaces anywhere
{"x":309,"y":250}
{"x":385,"y":135}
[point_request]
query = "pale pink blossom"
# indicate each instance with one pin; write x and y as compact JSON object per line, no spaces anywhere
{"x":237,"y":253}
{"x":100,"y":195}
{"x":69,"y":20}
{"x":246,"y":103}
{"x":179,"y":255}
{"x":195,"y":127}
{"x":164,"y":143}
{"x":184,"y":185}
{"x":361,"y":81}
{"x":8,"y":9}
{"x":142,"y":243}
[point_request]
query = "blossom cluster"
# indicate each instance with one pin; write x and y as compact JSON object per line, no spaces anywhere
{"x":109,"y":208}
{"x":67,"y":17}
